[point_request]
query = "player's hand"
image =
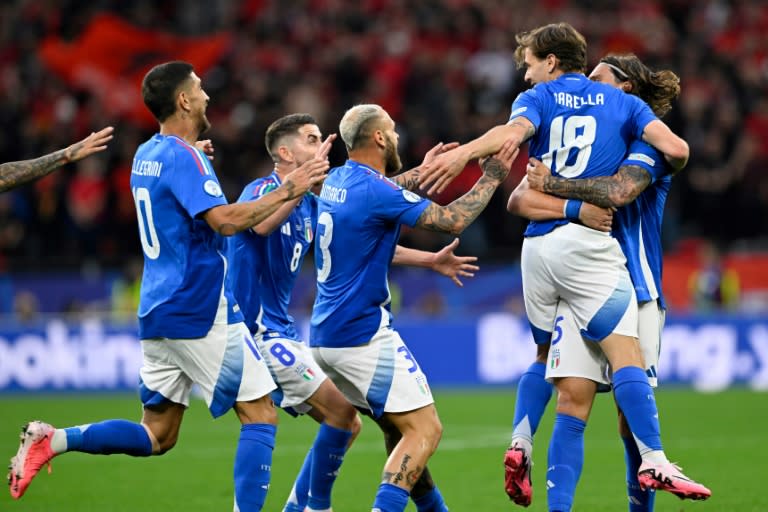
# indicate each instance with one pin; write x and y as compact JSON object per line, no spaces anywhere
{"x":438,"y":149}
{"x":325,"y":147}
{"x":448,"y":264}
{"x":538,"y":174}
{"x":506,"y":157}
{"x":206,"y":146}
{"x":95,"y":142}
{"x":309,"y":174}
{"x":596,"y":217}
{"x":442,"y":169}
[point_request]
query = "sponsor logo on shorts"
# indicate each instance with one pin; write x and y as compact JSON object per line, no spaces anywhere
{"x":554,"y":361}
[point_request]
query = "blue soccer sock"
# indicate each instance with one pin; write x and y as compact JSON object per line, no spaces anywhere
{"x":564,"y":460}
{"x":639,"y":500}
{"x":108,"y":437}
{"x":327,"y":455}
{"x":431,"y":502}
{"x":636,"y":400}
{"x":533,"y":394}
{"x":390,"y":498}
{"x":253,"y":465}
{"x":297,"y":501}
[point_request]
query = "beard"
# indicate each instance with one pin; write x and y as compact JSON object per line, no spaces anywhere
{"x":203,"y":125}
{"x":392,"y":163}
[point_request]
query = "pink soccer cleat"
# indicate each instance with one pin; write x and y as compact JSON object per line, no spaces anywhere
{"x":34,"y":453}
{"x":517,"y":476}
{"x":668,"y":477}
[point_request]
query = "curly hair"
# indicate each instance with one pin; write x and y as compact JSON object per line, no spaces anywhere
{"x":657,"y":88}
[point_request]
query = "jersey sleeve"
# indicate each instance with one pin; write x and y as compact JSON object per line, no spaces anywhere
{"x":260,"y":188}
{"x":641,"y":115}
{"x":390,"y":202}
{"x":195,"y":184}
{"x":526,"y":105}
{"x":649,"y":158}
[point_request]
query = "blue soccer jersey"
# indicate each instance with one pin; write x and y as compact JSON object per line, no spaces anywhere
{"x":637,"y":226}
{"x":184,"y":262}
{"x":265,"y":267}
{"x":583,"y":129}
{"x":359,"y":216}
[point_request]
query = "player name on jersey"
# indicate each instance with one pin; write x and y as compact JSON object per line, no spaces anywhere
{"x":571,"y":101}
{"x":334,"y":194}
{"x":147,"y":168}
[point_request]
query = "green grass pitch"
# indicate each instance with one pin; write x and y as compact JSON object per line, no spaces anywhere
{"x":718,"y":438}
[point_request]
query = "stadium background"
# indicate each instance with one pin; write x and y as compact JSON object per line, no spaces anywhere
{"x":70,"y":258}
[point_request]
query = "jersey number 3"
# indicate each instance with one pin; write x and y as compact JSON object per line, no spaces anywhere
{"x":324,"y":223}
{"x":147,"y":233}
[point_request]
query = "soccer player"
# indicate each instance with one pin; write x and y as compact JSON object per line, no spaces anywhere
{"x":639,"y":190}
{"x":360,"y":211}
{"x":580,"y":129}
{"x":191,"y":328}
{"x":14,"y":174}
{"x":266,"y":261}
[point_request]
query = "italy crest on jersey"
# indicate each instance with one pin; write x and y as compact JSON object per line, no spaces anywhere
{"x":308,"y":234}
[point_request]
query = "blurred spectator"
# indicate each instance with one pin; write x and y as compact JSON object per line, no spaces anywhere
{"x":25,"y":307}
{"x":443,"y":69}
{"x":713,"y":287}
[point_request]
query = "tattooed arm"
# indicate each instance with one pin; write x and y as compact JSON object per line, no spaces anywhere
{"x":13,"y":174}
{"x":445,"y":167}
{"x":455,"y":217}
{"x":607,"y":191}
{"x":410,"y":180}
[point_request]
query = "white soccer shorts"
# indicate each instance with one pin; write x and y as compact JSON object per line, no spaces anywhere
{"x":380,"y":376}
{"x":225,"y":364}
{"x":570,"y":355}
{"x":293,"y":368}
{"x":584,"y":268}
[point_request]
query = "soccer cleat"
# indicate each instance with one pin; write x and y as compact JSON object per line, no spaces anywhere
{"x":669,"y":477}
{"x":517,"y":476}
{"x":34,"y":453}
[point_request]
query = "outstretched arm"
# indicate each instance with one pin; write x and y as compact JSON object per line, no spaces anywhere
{"x":607,"y":191}
{"x":439,"y":173}
{"x":13,"y":174}
{"x":443,"y":262}
{"x":455,"y":217}
{"x":229,"y":219}
{"x":409,"y":180}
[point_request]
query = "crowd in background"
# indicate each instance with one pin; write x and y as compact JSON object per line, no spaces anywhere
{"x":444,"y":69}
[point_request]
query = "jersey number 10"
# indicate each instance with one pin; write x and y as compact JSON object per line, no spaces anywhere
{"x":149,"y":241}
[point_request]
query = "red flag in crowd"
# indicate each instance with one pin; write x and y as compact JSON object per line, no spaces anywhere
{"x":111,"y":56}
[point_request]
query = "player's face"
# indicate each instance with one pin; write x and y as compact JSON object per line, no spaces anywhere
{"x":305,"y":144}
{"x":199,"y":103}
{"x":536,"y":70}
{"x":603,"y":74}
{"x":392,"y":163}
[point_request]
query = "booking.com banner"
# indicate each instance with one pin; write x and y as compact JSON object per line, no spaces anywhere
{"x":495,"y":349}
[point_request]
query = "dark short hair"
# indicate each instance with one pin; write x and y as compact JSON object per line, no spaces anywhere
{"x":286,"y":125}
{"x":657,"y":88}
{"x":160,"y":86}
{"x":559,"y":39}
